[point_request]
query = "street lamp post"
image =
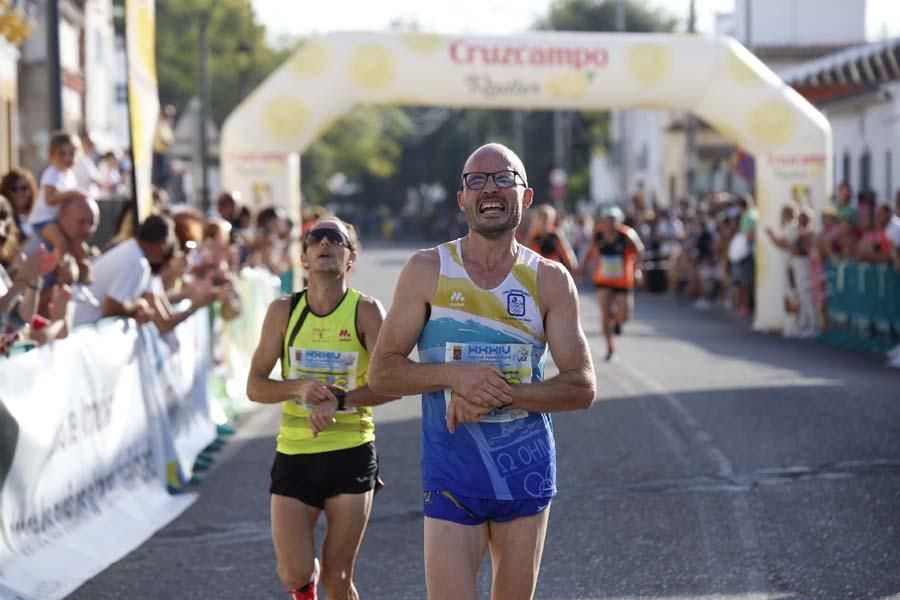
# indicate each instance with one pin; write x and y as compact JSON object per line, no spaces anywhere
{"x":204,"y":115}
{"x":690,"y":126}
{"x":54,"y":71}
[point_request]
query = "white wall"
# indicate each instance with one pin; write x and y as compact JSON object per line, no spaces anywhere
{"x":643,"y":142}
{"x":100,"y":74}
{"x":869,"y":124}
{"x":801,"y":22}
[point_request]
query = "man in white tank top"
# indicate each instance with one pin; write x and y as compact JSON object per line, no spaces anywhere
{"x":483,"y":310}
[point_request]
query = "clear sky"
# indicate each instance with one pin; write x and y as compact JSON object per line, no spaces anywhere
{"x":298,"y":17}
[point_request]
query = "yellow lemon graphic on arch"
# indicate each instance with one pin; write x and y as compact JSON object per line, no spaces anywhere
{"x":772,"y":122}
{"x":372,"y":66}
{"x":311,"y":60}
{"x":567,"y":85}
{"x":423,"y":43}
{"x":739,"y":71}
{"x":649,"y":63}
{"x":285,"y":118}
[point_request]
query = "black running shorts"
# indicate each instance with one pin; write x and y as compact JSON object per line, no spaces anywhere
{"x":313,"y":478}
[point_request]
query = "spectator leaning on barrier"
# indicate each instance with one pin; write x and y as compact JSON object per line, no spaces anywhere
{"x":122,"y":275}
{"x":165,"y":316}
{"x":19,"y":187}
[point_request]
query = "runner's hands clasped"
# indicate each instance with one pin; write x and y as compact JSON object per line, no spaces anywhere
{"x":322,"y":416}
{"x":481,"y":385}
{"x":460,"y":411}
{"x":314,"y":392}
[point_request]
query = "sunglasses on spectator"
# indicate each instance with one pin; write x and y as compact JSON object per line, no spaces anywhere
{"x":476,"y":180}
{"x":334,"y":236}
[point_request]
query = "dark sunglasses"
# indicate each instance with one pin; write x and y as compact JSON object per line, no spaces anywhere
{"x":334,"y":236}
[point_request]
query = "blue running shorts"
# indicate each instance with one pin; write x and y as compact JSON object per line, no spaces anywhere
{"x":447,"y":506}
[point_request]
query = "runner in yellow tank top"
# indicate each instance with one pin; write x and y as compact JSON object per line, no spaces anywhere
{"x":325,"y":458}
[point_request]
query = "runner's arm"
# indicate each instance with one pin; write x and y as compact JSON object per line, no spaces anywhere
{"x":368,"y":323}
{"x":391,"y":370}
{"x":570,"y":260}
{"x":260,"y":386}
{"x":575,"y":385}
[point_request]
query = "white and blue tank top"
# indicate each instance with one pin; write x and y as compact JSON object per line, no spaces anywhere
{"x":511,"y":454}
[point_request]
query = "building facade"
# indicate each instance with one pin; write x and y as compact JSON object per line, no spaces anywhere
{"x":17,"y":23}
{"x":782,"y":33}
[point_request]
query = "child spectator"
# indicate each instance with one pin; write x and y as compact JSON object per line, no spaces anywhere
{"x":59,"y":184}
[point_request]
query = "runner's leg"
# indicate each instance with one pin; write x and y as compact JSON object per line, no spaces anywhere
{"x":293,"y":531}
{"x":346,"y":516}
{"x":604,"y":297}
{"x":453,"y":553}
{"x":623,"y":307}
{"x":516,"y":548}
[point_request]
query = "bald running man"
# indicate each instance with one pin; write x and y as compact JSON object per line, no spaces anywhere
{"x":483,"y":310}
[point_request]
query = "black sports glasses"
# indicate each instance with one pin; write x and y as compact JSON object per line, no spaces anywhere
{"x":476,"y":180}
{"x":334,"y":236}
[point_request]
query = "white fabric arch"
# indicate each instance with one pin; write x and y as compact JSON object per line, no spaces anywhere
{"x":714,"y":77}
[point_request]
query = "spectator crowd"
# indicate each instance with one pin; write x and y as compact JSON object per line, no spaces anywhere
{"x":54,"y":278}
{"x":704,"y":251}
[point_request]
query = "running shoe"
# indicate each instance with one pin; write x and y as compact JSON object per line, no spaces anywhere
{"x":308,"y":591}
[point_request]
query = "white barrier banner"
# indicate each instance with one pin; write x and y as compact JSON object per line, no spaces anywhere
{"x":257,"y":288}
{"x":177,"y":389}
{"x":84,"y":447}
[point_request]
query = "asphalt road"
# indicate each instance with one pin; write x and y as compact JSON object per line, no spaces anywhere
{"x":716,"y":463}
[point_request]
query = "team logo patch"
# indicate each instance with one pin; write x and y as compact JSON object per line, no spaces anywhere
{"x":515,"y":304}
{"x":344,"y":335}
{"x":457,"y":352}
{"x":457,"y":299}
{"x":298,"y":354}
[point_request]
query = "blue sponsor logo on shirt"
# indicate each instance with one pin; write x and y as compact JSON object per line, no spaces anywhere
{"x":515,"y":304}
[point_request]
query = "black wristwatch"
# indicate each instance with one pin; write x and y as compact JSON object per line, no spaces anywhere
{"x":341,"y":396}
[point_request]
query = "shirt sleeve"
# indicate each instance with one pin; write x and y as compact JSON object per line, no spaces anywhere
{"x":129,"y":284}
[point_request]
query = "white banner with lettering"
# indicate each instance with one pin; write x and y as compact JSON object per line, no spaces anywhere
{"x":88,"y":426}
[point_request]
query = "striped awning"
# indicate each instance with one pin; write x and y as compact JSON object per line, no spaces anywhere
{"x":859,"y":67}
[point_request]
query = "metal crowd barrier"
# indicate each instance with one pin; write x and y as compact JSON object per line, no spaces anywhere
{"x":863,"y":306}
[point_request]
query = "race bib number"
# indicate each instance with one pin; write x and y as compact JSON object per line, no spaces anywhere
{"x":325,"y":366}
{"x":612,"y":267}
{"x":513,"y":360}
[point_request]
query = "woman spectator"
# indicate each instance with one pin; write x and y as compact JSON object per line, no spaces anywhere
{"x":875,"y":245}
{"x":19,"y":186}
{"x":796,"y":238}
{"x":20,"y":282}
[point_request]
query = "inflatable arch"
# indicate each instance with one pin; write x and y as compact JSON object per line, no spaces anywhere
{"x":714,"y":77}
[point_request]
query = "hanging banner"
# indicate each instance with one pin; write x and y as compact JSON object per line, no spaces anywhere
{"x":143,"y":95}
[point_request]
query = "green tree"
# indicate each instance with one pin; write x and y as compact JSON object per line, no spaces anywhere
{"x":600,"y":15}
{"x":239,"y":58}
